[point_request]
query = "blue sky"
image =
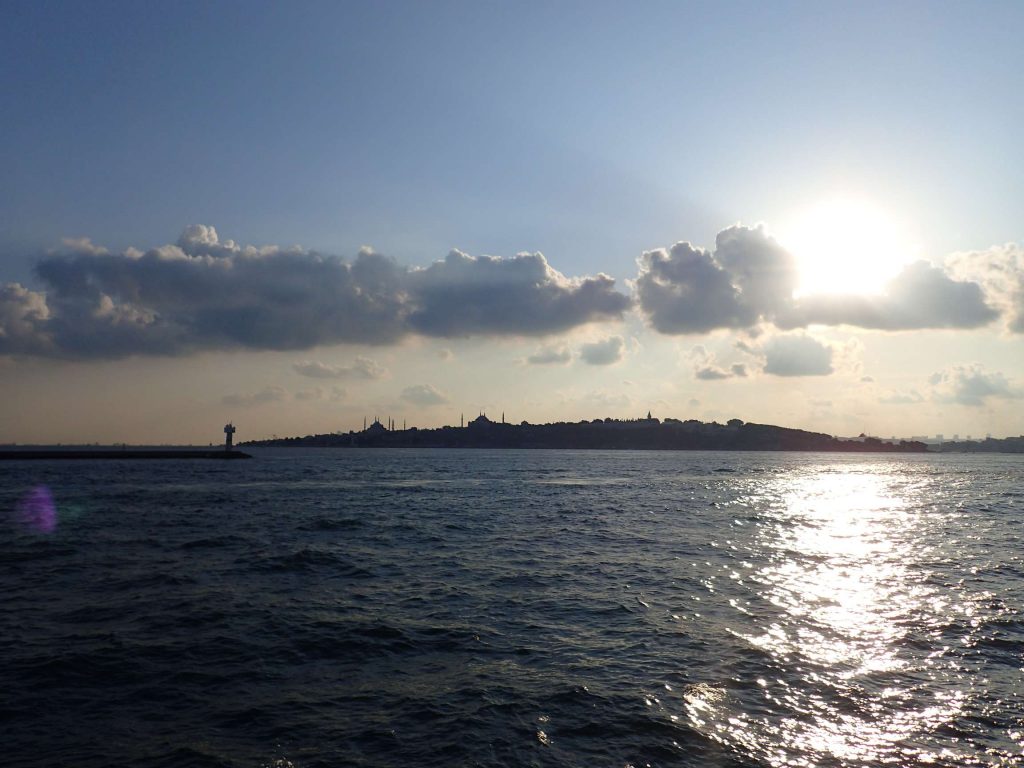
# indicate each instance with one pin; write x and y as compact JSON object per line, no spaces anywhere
{"x":590,"y":132}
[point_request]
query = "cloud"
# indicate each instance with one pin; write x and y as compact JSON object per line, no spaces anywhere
{"x":362,"y":368}
{"x":206,"y":293}
{"x":921,"y":296}
{"x":423,"y":394}
{"x":750,"y":279}
{"x":797,"y":356}
{"x":22,"y":314}
{"x":902,"y":398}
{"x":684,"y":290}
{"x":600,"y":398}
{"x":971,"y":385}
{"x":711,"y":373}
{"x":523,"y":295}
{"x":714,"y":373}
{"x":706,"y":368}
{"x":605,"y":352}
{"x":550,"y":356}
{"x":267,"y":395}
{"x":1000,"y":271}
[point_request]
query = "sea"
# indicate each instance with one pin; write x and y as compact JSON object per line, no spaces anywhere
{"x":347,"y":607}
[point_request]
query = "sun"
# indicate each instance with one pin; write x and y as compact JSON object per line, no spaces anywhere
{"x":847,"y":245}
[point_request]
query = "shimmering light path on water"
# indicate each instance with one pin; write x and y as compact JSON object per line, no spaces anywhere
{"x":381,"y":608}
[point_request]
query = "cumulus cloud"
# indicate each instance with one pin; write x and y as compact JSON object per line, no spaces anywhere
{"x":267,"y":395}
{"x":463,"y":295}
{"x":797,"y":356}
{"x":605,"y":352}
{"x":423,"y":394}
{"x":559,"y":355}
{"x":750,"y":279}
{"x":362,"y":368}
{"x":1000,"y":271}
{"x":972,"y":385}
{"x":207,"y":293}
{"x":23,"y":313}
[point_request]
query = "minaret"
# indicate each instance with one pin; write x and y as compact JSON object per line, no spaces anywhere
{"x":462,"y":420}
{"x":229,"y":430}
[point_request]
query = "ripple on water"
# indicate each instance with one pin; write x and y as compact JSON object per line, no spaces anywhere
{"x":519,"y":608}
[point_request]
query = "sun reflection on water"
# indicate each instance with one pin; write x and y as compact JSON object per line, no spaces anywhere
{"x":842,"y":592}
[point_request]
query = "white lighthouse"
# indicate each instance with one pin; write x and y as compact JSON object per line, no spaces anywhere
{"x":229,"y":431}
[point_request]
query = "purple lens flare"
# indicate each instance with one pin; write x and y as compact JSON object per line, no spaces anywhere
{"x":36,"y":510}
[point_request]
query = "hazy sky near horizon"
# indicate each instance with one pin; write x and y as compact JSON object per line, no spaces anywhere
{"x":296,"y":216}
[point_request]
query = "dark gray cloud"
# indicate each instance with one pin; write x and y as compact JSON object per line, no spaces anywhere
{"x":362,"y":368}
{"x":972,"y":385}
{"x":424,"y":394}
{"x":205,"y":293}
{"x":605,"y":352}
{"x":797,"y":356}
{"x":550,"y":356}
{"x":750,"y":279}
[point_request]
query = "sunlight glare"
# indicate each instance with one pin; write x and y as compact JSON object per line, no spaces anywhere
{"x":847,"y":245}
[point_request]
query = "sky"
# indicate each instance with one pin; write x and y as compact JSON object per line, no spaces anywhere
{"x":294,"y":217}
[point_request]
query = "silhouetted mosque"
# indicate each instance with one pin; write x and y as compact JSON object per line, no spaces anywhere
{"x":376,"y":428}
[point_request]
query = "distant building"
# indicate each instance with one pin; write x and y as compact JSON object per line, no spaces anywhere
{"x":376,"y":428}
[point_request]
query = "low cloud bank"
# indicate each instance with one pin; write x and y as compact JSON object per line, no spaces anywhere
{"x":204,"y":293}
{"x":749,"y":279}
{"x":362,"y":368}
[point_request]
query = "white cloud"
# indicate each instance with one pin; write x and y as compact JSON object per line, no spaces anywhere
{"x":1000,"y":271}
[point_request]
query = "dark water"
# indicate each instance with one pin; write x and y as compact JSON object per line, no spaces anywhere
{"x":435,"y":608}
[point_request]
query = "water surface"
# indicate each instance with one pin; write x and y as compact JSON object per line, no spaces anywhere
{"x":403,"y":607}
